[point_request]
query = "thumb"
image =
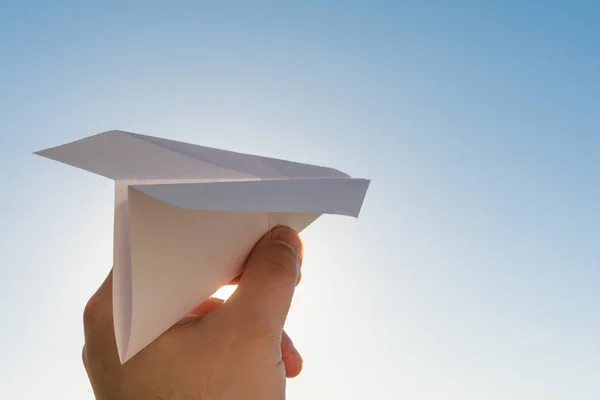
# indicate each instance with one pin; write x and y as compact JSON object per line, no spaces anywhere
{"x":270,"y":275}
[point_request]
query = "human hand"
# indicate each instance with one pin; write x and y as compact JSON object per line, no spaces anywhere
{"x":230,"y":350}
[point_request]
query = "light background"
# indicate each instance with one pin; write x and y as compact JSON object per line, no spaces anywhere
{"x":474,"y":269}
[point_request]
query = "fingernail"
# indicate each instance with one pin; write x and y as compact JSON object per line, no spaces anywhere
{"x":289,"y":236}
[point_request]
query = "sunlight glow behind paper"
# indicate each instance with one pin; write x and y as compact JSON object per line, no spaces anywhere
{"x":186,"y":217}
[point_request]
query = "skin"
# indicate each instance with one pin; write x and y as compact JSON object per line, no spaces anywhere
{"x":229,"y":350}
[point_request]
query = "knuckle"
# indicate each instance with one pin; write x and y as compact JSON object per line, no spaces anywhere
{"x":280,"y":259}
{"x":91,"y":312}
{"x":84,"y":356}
{"x":255,"y":325}
{"x":259,"y":334}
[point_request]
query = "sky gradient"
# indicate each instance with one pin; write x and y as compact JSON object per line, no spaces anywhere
{"x":473,"y":271}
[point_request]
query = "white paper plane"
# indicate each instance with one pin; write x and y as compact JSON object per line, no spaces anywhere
{"x":186,"y":217}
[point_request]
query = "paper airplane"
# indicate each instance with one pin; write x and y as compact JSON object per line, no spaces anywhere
{"x":186,"y":217}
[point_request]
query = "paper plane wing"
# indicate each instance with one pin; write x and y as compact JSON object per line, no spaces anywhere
{"x":122,"y":155}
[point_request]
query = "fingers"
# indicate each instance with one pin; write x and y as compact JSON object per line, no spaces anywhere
{"x":270,"y":275}
{"x":290,"y":356}
{"x":98,"y":326}
{"x":208,"y":306}
{"x":236,"y":280}
{"x":97,"y":314}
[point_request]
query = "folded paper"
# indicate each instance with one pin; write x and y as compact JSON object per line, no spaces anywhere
{"x":186,"y":217}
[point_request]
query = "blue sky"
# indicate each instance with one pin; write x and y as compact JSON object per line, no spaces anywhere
{"x":473,"y":271}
